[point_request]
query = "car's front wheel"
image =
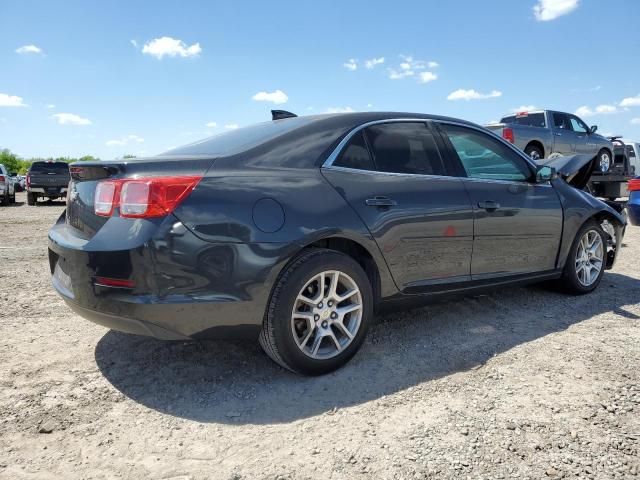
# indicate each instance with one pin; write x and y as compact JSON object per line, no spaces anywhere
{"x":585,"y":264}
{"x":319,"y":313}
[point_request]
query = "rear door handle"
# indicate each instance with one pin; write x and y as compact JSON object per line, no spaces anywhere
{"x":380,"y":202}
{"x":557,"y":134}
{"x":489,"y":205}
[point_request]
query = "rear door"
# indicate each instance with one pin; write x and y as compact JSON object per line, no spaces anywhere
{"x":517,"y":223}
{"x":419,"y":213}
{"x":564,"y":141}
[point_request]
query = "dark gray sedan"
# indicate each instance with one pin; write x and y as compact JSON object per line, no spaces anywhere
{"x":295,"y":231}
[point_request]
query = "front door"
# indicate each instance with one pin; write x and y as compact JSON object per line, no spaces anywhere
{"x":518,"y":223}
{"x":420,"y":216}
{"x":581,"y":133}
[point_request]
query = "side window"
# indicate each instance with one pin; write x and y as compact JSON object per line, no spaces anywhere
{"x":485,"y":157}
{"x":578,"y":125}
{"x":404,"y":147}
{"x":355,"y":154}
{"x":561,"y":121}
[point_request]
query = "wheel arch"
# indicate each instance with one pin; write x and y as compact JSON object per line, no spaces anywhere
{"x":538,"y":144}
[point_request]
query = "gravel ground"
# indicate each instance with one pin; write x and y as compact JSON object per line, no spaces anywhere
{"x":520,"y":383}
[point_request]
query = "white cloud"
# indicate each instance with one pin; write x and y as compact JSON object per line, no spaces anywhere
{"x":339,"y":110}
{"x":231,"y":126}
{"x":277,"y":97}
{"x":351,"y":64}
{"x":211,"y":125}
{"x":134,"y":43}
{"x":546,"y":10}
{"x":635,"y":121}
{"x":373,"y":62}
{"x":631,"y":101}
{"x":51,"y":106}
{"x":70,"y":119}
{"x":7,"y":100}
{"x":426,"y":77}
{"x":369,"y":105}
{"x":410,"y":67}
{"x":27,"y":49}
{"x":524,"y":108}
{"x":586,"y":111}
{"x":126,"y":140}
{"x":170,"y":47}
{"x":462,"y":94}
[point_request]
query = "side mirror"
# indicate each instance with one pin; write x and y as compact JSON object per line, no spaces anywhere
{"x":545,"y":174}
{"x":593,"y":128}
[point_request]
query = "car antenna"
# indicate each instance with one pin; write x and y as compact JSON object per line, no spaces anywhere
{"x":280,"y":114}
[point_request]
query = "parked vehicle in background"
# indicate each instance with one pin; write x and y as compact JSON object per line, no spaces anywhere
{"x":633,"y":153}
{"x":294,"y":231}
{"x":612,"y":184}
{"x":15,"y":178}
{"x":47,"y":180}
{"x":633,"y":206}
{"x":7,"y":187}
{"x":541,"y":133}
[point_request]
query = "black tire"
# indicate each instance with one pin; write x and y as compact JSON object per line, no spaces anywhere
{"x":277,"y":338}
{"x":534,"y":152}
{"x":13,"y":197}
{"x":569,"y":282}
{"x":600,"y":160}
{"x":31,"y":199}
{"x":4,"y":201}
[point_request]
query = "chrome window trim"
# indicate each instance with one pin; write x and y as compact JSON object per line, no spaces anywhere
{"x":395,"y":174}
{"x":328,"y":163}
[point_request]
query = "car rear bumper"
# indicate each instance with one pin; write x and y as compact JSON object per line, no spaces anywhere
{"x":184,"y":287}
{"x":633,"y":207}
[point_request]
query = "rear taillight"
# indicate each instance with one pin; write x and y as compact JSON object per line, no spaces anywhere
{"x":634,"y":185}
{"x":2,"y":178}
{"x":507,"y":134}
{"x":29,"y":180}
{"x":142,"y":197}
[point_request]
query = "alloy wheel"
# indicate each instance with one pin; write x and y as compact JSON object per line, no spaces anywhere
{"x":605,"y":162}
{"x":589,"y":258}
{"x":326,"y":314}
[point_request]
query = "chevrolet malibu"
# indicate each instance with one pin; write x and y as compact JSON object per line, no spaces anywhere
{"x":295,"y":231}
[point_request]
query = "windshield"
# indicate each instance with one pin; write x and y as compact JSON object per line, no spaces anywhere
{"x":241,"y":139}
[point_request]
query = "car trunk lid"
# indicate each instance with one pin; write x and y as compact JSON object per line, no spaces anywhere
{"x":85,"y":176}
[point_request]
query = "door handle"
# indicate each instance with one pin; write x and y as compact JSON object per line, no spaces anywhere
{"x":380,"y":202}
{"x":557,"y":134}
{"x":489,"y":205}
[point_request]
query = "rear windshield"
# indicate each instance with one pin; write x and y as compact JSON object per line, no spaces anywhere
{"x":46,"y":167}
{"x":531,"y":120}
{"x":241,"y":139}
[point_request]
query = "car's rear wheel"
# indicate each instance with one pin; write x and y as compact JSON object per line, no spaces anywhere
{"x":31,"y":199}
{"x":534,"y":152}
{"x":318,"y":314}
{"x":586,"y":262}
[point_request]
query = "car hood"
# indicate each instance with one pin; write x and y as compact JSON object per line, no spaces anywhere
{"x":576,"y":170}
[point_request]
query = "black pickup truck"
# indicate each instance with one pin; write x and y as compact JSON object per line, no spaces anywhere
{"x":47,"y":180}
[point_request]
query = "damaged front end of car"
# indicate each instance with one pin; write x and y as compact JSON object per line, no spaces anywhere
{"x":576,"y":171}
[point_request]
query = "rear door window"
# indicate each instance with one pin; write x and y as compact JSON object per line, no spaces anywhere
{"x":404,"y":147}
{"x":356,"y":155}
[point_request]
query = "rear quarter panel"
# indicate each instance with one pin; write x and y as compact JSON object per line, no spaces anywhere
{"x":281,"y":206}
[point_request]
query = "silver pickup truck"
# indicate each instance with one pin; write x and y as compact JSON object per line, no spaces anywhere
{"x":543,"y":132}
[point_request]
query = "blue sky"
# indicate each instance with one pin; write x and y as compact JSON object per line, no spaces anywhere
{"x":109,"y":78}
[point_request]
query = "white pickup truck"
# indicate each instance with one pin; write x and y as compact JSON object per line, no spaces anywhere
{"x":543,"y":132}
{"x":7,"y":187}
